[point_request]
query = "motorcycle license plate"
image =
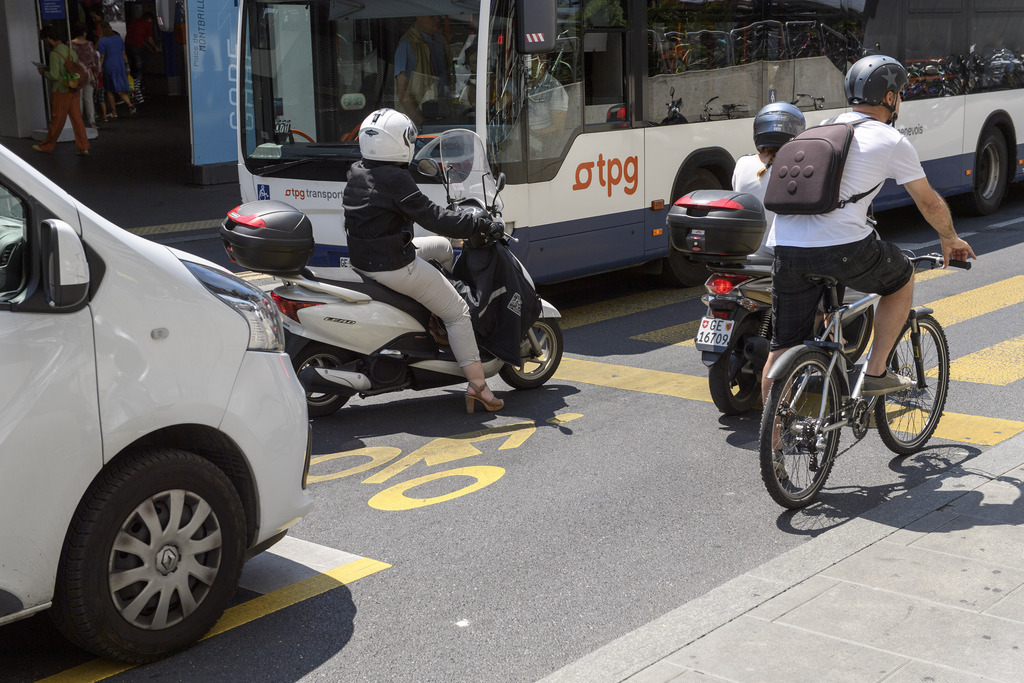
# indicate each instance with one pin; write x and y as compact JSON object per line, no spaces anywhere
{"x":714,"y":334}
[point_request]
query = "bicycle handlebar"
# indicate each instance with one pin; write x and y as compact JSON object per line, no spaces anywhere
{"x":936,"y":260}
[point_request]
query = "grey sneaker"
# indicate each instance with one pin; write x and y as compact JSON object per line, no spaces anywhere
{"x":876,"y":386}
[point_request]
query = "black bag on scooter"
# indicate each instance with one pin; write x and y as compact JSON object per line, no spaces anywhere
{"x":503,"y":303}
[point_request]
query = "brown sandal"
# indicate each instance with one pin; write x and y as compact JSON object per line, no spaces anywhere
{"x":477,"y":390}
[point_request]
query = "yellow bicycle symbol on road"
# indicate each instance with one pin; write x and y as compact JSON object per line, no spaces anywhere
{"x":440,"y":451}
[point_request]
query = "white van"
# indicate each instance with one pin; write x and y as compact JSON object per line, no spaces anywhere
{"x":152,"y":433}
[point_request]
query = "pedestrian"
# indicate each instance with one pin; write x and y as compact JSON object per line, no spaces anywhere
{"x":113,"y":63}
{"x":381,"y":203}
{"x":88,"y":58}
{"x":842,"y":243}
{"x":774,"y":125}
{"x":138,"y":39}
{"x":64,"y":102}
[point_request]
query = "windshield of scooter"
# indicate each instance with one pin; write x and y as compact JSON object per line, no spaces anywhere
{"x":463,"y":160}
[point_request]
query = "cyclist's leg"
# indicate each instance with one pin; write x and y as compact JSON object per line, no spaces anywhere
{"x":879,"y":267}
{"x":890,"y":316}
{"x":794,"y":304}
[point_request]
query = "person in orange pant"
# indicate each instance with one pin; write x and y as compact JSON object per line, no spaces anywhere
{"x":63,"y":102}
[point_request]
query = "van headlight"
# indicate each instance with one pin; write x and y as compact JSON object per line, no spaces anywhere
{"x":266,"y":333}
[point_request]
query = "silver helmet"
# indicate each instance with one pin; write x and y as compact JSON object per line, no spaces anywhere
{"x":871,"y":77}
{"x":387,"y":135}
{"x":776,"y":124}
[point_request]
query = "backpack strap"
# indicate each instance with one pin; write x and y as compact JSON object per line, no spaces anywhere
{"x":861,"y":195}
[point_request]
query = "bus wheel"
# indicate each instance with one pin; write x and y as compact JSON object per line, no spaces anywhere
{"x":989,"y":173}
{"x":676,"y":269}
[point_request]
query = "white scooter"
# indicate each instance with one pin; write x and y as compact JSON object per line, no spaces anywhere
{"x":349,"y":335}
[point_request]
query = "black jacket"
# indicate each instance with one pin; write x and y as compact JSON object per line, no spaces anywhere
{"x":381,"y":203}
{"x":503,"y":303}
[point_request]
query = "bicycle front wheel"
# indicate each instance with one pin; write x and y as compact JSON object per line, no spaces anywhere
{"x":796,"y":454}
{"x":907,"y":419}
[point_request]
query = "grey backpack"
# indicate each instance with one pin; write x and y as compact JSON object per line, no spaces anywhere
{"x":808,"y":169}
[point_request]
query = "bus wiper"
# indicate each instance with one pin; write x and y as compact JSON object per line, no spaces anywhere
{"x":292,"y":163}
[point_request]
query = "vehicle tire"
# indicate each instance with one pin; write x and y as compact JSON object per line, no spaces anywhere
{"x":152,"y":557}
{"x":534,"y":372}
{"x":676,"y":269}
{"x":734,"y":384}
{"x":907,"y":419}
{"x":990,"y":173}
{"x":319,"y":355}
{"x":792,"y":467}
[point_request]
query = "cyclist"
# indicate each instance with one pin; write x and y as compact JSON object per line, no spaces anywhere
{"x":841,"y":244}
{"x":774,"y":125}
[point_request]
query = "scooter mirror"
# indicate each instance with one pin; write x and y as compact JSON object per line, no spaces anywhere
{"x":428,"y":167}
{"x":499,"y":184}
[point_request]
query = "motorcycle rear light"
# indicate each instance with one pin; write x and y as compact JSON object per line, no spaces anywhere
{"x":688,"y":202}
{"x":721,"y":283}
{"x":291,"y":308}
{"x":251,"y":220}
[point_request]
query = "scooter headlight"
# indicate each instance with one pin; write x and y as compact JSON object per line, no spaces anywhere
{"x":266,"y":333}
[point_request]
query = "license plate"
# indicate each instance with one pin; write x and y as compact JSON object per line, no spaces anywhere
{"x":714,"y":334}
{"x":343,"y":262}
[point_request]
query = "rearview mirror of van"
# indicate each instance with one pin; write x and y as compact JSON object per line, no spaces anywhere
{"x":67,"y":270}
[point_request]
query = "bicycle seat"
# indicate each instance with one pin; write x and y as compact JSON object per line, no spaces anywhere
{"x":819,"y":279}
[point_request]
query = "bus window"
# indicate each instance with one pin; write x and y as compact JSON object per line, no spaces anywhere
{"x":996,"y":40}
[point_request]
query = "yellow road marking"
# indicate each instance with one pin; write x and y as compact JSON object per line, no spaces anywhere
{"x":976,"y":302}
{"x":976,"y":429}
{"x":679,"y":335}
{"x":99,"y":669}
{"x":998,"y":365}
{"x":626,"y":305}
{"x":634,"y":379}
{"x":984,"y":431}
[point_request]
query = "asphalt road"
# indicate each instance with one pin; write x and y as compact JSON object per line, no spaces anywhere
{"x":522,"y":540}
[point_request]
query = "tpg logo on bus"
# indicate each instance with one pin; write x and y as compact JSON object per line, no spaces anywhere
{"x":610,"y":172}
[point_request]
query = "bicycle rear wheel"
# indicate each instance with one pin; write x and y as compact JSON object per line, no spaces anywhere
{"x":907,"y":419}
{"x":796,"y":457}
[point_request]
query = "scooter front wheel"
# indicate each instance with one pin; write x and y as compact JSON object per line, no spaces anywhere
{"x":318,"y":355}
{"x":534,"y":370}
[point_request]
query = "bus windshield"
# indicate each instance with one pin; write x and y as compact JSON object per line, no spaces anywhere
{"x":313,"y":71}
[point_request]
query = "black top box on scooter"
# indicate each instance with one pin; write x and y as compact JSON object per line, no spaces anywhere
{"x":716,"y":225}
{"x":269,"y":237}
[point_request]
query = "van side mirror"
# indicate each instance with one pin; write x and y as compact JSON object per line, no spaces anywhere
{"x":535,"y":21}
{"x":66,"y":281}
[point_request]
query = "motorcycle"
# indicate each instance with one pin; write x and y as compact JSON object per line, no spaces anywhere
{"x":349,"y":335}
{"x":734,"y":335}
{"x":723,"y":229}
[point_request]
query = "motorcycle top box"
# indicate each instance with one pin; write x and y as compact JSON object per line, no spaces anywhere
{"x":269,"y":237}
{"x":712,"y":225}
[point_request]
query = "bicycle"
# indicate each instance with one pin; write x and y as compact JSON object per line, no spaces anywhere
{"x":817,"y":391}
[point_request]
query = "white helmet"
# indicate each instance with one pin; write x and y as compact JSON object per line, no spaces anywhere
{"x":387,"y":135}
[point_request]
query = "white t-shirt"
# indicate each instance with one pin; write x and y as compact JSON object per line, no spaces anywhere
{"x":744,"y":179}
{"x":878,"y":152}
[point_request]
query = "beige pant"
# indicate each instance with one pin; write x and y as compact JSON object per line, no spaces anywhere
{"x":425,"y":283}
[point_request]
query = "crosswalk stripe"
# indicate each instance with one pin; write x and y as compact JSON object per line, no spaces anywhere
{"x":626,"y":305}
{"x":997,"y":365}
{"x":976,"y":302}
{"x":974,"y":429}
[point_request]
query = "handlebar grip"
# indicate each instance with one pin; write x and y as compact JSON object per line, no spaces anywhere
{"x":966,"y":265}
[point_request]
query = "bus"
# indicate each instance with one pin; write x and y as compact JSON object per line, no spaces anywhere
{"x":629,"y":105}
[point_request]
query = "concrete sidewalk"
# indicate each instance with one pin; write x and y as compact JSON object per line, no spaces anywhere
{"x":928,"y":586}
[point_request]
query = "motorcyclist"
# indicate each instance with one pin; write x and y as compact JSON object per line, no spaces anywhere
{"x":774,"y":125}
{"x":381,"y":203}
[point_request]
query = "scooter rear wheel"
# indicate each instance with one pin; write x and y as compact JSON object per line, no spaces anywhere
{"x":320,"y":356}
{"x":734,"y":383}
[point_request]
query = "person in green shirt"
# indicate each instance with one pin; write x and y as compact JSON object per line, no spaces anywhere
{"x":64,"y":103}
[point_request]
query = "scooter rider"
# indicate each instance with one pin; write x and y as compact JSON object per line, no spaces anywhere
{"x":774,"y":125}
{"x":842,"y":244}
{"x":381,"y":203}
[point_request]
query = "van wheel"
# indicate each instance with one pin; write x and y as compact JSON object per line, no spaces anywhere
{"x":318,"y":355}
{"x":676,"y":269}
{"x":990,"y":173}
{"x":152,"y":557}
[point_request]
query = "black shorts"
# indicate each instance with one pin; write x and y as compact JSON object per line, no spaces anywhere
{"x":870,"y":265}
